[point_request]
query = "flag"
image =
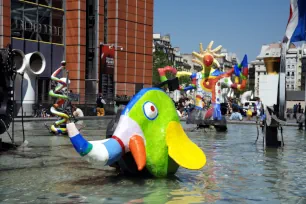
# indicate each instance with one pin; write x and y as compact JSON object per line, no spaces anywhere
{"x":296,"y":27}
{"x":242,"y":66}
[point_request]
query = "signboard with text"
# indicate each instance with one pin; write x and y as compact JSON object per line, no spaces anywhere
{"x":106,"y":72}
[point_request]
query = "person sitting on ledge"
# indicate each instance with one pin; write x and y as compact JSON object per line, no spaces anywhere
{"x":100,"y":105}
{"x":77,"y":112}
{"x":236,"y":115}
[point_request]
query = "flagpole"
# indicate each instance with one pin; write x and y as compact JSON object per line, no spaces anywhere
{"x":282,"y":83}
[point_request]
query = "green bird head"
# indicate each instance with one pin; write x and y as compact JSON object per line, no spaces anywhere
{"x":149,"y":127}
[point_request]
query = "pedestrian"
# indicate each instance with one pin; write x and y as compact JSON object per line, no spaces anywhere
{"x":294,"y":110}
{"x":236,"y":115}
{"x":299,"y":108}
{"x":258,"y":107}
{"x":249,"y":112}
{"x":229,"y":109}
{"x":100,"y":105}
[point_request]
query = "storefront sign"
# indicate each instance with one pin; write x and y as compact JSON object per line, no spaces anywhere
{"x":24,"y":25}
{"x":106,"y":72}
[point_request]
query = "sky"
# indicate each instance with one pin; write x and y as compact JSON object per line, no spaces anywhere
{"x":240,"y":26}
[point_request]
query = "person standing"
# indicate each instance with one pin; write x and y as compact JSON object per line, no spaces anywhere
{"x":294,"y":110}
{"x":258,"y":107}
{"x":299,"y":108}
{"x":100,"y":105}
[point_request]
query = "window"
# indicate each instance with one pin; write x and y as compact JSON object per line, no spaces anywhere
{"x":44,"y":30}
{"x":57,"y":3}
{"x":43,"y":89}
{"x":287,"y":86}
{"x":292,"y":74}
{"x":57,"y":26}
{"x":17,"y":19}
{"x":30,"y":26}
{"x":292,"y":86}
{"x":34,"y":22}
{"x":45,"y":2}
{"x":265,"y":73}
{"x":288,"y":73}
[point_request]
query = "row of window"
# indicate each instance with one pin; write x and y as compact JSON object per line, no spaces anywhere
{"x":52,"y":3}
{"x":292,"y":86}
{"x":262,"y":72}
{"x":292,"y":66}
{"x":36,"y":22}
{"x":287,"y":86}
{"x":288,"y":73}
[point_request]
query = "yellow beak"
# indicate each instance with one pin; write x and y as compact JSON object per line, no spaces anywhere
{"x":181,"y":149}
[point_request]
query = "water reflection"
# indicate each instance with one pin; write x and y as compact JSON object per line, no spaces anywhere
{"x":237,"y":170}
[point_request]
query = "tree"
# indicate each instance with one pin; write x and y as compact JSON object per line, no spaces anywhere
{"x":160,"y":60}
{"x":185,"y":80}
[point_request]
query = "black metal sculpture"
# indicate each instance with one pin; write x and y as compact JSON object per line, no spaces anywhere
{"x":7,"y":77}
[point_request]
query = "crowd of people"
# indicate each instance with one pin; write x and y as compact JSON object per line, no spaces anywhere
{"x":41,"y":111}
{"x":234,"y":109}
{"x":184,"y":106}
{"x":297,"y":108}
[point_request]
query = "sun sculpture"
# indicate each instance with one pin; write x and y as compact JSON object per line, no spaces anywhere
{"x":210,"y":81}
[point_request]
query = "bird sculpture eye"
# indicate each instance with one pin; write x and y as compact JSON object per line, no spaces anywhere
{"x":150,"y":110}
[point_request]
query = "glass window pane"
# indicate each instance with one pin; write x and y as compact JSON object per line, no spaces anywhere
{"x":34,"y":1}
{"x":17,"y":19}
{"x":57,"y":3}
{"x":30,"y":26}
{"x":45,"y":2}
{"x":44,"y":24}
{"x":57,"y":26}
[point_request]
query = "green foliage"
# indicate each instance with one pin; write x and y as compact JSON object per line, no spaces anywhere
{"x":160,"y":60}
{"x":185,"y":80}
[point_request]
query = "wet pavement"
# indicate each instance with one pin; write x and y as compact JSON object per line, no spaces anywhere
{"x":48,"y":170}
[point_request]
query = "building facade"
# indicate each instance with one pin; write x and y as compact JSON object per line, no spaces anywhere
{"x":260,"y":68}
{"x":194,"y":67}
{"x":291,"y":70}
{"x":295,"y":80}
{"x":228,"y":61}
{"x":251,"y":78}
{"x":303,"y":66}
{"x":73,"y":30}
